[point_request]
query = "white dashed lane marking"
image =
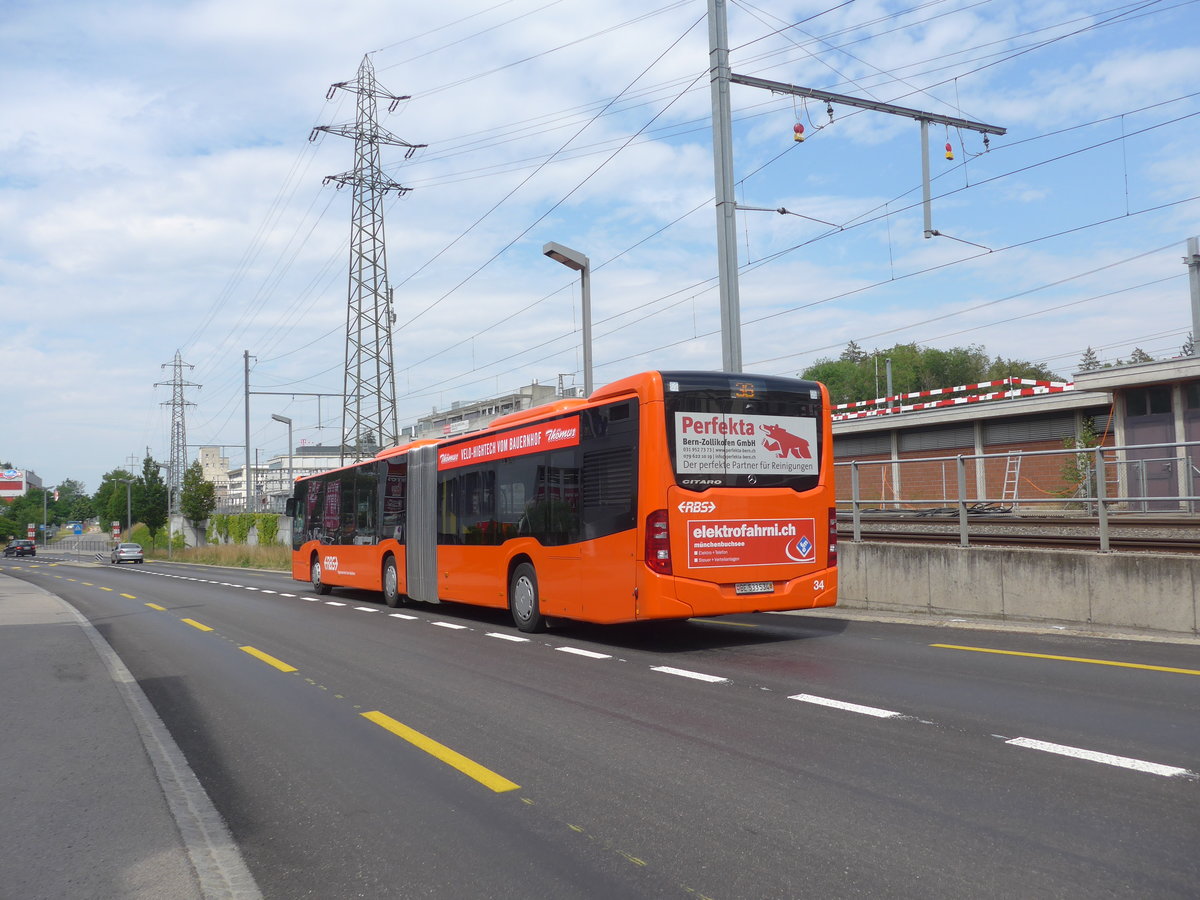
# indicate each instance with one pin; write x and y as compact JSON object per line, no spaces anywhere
{"x":697,"y":676}
{"x":1079,"y":753}
{"x":848,"y":707}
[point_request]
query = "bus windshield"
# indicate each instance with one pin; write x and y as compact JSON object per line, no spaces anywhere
{"x":743,"y":431}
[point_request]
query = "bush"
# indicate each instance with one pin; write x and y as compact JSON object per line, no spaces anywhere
{"x":275,"y":557}
{"x":268,"y":528}
{"x":239,"y":526}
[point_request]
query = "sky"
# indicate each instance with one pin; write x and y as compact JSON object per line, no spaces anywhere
{"x":160,"y":195}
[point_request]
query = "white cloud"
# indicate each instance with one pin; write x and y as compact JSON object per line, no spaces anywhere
{"x":157,"y":191}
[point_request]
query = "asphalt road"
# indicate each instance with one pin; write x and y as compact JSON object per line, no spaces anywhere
{"x":434,"y":751}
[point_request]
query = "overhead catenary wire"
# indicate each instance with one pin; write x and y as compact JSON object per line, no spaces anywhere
{"x":309,"y":341}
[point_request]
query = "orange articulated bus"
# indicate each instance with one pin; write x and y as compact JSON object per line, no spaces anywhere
{"x":665,"y":495}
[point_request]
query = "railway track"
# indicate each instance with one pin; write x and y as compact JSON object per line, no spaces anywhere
{"x":1141,"y":534}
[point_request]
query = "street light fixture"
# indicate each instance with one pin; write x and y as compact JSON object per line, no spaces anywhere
{"x":288,"y":422}
{"x":573,"y":259}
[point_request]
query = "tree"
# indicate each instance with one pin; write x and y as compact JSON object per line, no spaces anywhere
{"x":1015,"y":368}
{"x":152,"y":510}
{"x":16,"y":516}
{"x":70,"y":492}
{"x":1140,"y":356}
{"x":862,"y":377}
{"x":197,"y":497}
{"x":840,"y":376}
{"x":853,"y":353}
{"x":1089,"y":360}
{"x":1189,"y":346}
{"x":81,"y":508}
{"x":110,"y":500}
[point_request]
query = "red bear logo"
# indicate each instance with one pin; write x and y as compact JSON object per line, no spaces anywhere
{"x":783,"y":442}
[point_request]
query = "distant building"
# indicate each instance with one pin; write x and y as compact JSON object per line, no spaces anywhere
{"x":215,"y":469}
{"x":16,"y":483}
{"x":463,"y":417}
{"x":269,"y":482}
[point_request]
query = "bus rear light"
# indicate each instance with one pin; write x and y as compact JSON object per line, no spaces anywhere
{"x":831,"y":560}
{"x":658,"y":542}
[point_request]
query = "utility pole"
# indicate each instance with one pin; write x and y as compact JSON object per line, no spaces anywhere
{"x":1192,"y":261}
{"x":246,"y":406}
{"x":178,"y":429}
{"x":369,"y":385}
{"x":722,"y":128}
{"x":721,"y":78}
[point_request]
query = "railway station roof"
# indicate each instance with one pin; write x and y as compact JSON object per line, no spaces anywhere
{"x":1183,"y":368}
{"x":1067,"y":401}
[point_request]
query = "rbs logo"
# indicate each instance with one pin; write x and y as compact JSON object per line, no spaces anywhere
{"x":697,"y":506}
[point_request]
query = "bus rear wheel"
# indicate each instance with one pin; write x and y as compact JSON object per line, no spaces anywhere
{"x":391,"y":584}
{"x":523,"y":600}
{"x":318,"y":586}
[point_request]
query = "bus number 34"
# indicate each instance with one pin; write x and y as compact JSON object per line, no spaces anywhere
{"x":819,"y":584}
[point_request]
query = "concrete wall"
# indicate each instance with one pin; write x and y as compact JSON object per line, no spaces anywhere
{"x":1118,"y":590}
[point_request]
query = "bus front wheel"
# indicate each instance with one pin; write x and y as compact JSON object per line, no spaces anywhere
{"x":391,"y":584}
{"x":523,"y":599}
{"x":318,"y":586}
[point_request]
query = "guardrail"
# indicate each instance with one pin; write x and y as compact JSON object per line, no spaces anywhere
{"x":1095,"y":482}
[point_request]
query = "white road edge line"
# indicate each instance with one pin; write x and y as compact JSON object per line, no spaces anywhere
{"x":588,"y":653}
{"x":1125,"y":762}
{"x":216,"y":859}
{"x":507,"y":637}
{"x":366,"y":609}
{"x":449,"y":625}
{"x":698,"y":676}
{"x":401,"y":616}
{"x":848,"y":707}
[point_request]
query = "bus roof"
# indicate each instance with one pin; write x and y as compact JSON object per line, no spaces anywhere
{"x":644,"y":384}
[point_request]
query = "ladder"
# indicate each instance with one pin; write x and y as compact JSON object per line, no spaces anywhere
{"x":1012,"y":478}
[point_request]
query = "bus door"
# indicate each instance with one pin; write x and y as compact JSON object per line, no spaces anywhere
{"x":421,"y":525}
{"x":554,"y":520}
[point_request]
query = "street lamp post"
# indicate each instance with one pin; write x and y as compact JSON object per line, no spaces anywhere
{"x":573,"y":259}
{"x":288,"y":422}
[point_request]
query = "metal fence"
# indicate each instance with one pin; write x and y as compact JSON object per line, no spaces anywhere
{"x":1099,"y":482}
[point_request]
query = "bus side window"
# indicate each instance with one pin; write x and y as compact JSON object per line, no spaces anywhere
{"x":516,"y":486}
{"x":477,"y":514}
{"x":395,"y":475}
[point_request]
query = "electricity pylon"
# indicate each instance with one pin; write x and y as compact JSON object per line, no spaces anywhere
{"x":369,"y":386}
{"x":178,"y":428}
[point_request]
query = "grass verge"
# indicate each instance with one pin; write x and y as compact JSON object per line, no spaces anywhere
{"x":234,"y":555}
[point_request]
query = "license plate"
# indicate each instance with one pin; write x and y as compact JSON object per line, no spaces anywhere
{"x":754,"y":587}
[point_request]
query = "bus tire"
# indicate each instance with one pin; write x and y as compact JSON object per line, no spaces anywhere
{"x":391,"y":584}
{"x":318,"y":586}
{"x":523,"y":600}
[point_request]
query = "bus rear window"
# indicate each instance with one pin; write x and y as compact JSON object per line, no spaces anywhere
{"x":764,"y":432}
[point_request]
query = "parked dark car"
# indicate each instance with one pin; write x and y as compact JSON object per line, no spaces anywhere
{"x":21,"y":548}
